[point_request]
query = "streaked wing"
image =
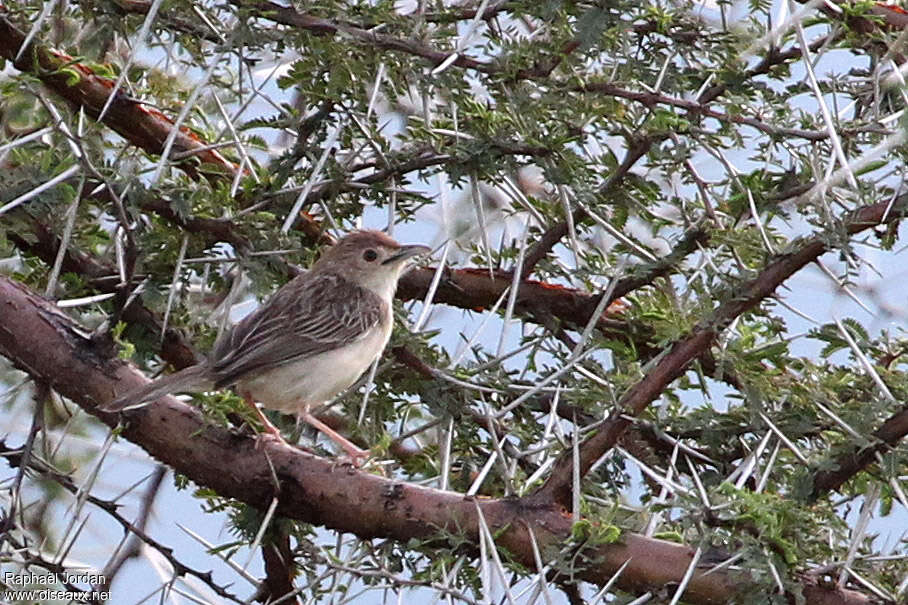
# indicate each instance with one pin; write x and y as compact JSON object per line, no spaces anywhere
{"x":311,"y":314}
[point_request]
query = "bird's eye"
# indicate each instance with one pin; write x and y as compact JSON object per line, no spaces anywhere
{"x":370,"y":255}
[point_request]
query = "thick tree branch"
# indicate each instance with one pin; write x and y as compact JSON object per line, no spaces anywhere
{"x":40,"y":340}
{"x":140,"y":124}
{"x":42,"y":242}
{"x":477,"y":290}
{"x":279,"y":570}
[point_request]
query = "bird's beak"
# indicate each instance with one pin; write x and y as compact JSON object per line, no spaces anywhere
{"x":405,"y":252}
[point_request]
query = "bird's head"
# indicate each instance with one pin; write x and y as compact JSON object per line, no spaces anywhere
{"x":370,"y":259}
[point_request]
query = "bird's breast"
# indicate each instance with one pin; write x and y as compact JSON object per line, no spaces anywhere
{"x":297,"y":385}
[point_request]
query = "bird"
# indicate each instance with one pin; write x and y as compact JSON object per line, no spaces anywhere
{"x":310,"y":341}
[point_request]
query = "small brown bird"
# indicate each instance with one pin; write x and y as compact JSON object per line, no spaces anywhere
{"x":310,"y":341}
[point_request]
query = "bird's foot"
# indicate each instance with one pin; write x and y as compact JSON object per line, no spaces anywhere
{"x":269,"y":437}
{"x":356,"y":456}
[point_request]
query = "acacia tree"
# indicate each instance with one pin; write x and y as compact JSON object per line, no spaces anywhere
{"x":637,"y":186}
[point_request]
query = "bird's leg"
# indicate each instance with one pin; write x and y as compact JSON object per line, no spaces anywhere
{"x":297,"y":433}
{"x":271,"y":431}
{"x":357,"y":455}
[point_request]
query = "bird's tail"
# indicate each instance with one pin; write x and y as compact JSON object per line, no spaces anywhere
{"x":194,"y":378}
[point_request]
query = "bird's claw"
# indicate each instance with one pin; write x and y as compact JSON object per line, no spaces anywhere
{"x":262,"y":438}
{"x":357,"y":457}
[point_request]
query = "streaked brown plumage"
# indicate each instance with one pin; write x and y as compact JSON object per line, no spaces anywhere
{"x":311,"y":340}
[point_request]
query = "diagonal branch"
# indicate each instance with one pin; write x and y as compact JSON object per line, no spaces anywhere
{"x":675,"y":362}
{"x":140,"y":124}
{"x":847,"y":465}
